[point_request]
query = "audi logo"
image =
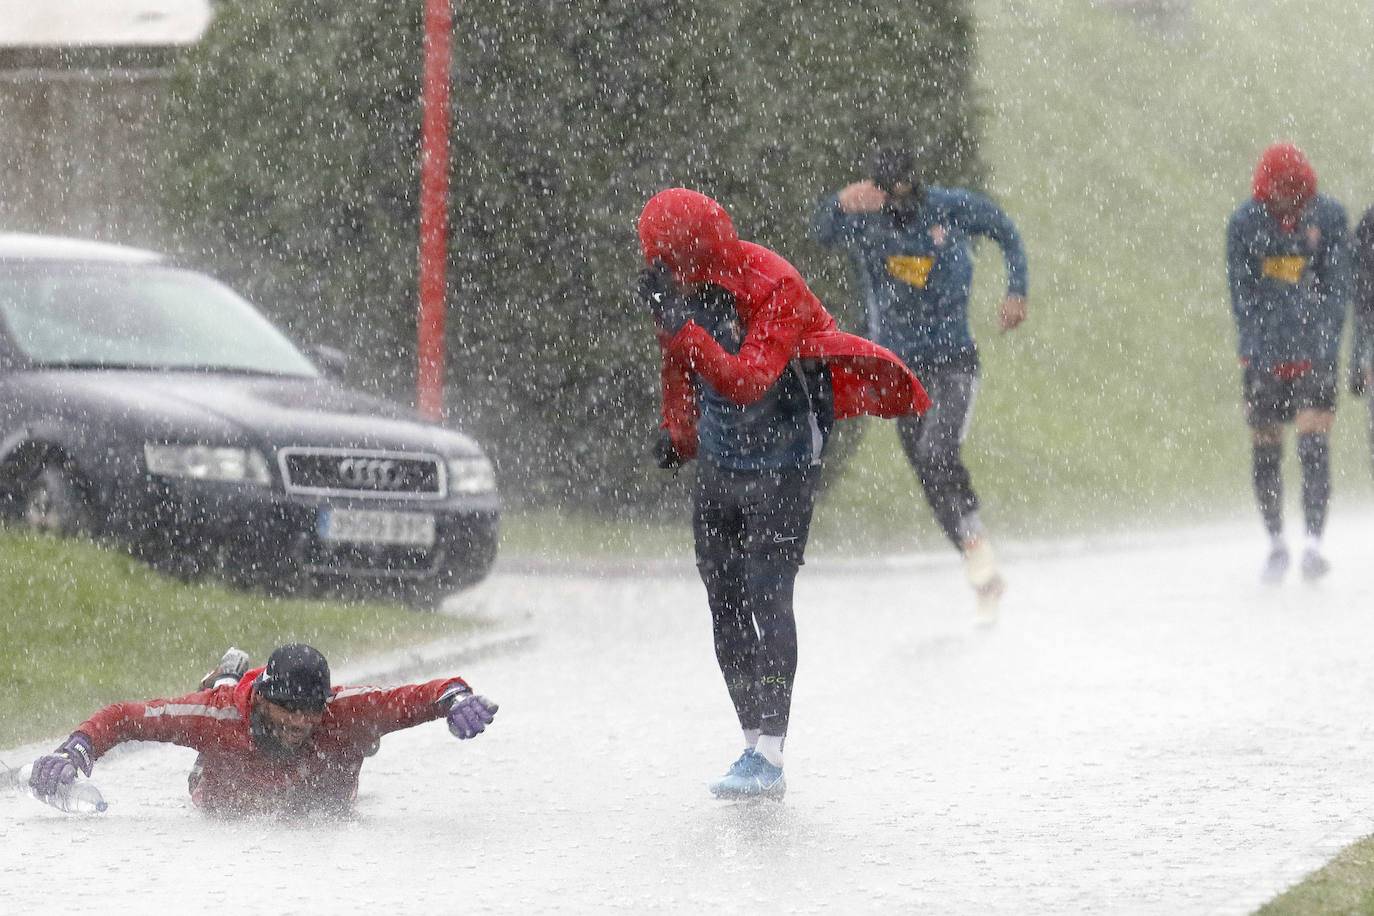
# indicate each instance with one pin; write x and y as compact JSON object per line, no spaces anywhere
{"x":370,"y":473}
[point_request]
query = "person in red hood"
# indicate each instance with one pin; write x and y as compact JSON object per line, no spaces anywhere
{"x":754,"y":375}
{"x":275,"y":740}
{"x":1287,"y":259}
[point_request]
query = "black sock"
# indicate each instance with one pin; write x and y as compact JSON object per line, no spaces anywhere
{"x":1314,"y":453}
{"x":1265,"y":468}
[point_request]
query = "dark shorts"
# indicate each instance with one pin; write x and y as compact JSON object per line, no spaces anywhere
{"x":1270,"y":401}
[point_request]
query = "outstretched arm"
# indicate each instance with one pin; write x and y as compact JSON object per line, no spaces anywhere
{"x":378,"y":710}
{"x":156,"y":720}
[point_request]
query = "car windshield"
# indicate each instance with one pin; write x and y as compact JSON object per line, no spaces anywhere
{"x":138,"y":316}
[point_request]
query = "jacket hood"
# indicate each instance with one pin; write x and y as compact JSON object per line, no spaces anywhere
{"x":1284,"y":182}
{"x":692,"y":235}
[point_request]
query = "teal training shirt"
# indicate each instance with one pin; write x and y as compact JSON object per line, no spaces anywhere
{"x":1289,"y":290}
{"x":915,"y":271}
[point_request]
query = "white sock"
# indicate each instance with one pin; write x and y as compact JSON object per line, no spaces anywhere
{"x":751,"y":737}
{"x":1313,"y":543}
{"x":770,"y":746}
{"x":1276,"y":542}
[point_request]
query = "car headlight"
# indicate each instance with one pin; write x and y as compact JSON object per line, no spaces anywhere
{"x":471,"y":475}
{"x":206,"y":462}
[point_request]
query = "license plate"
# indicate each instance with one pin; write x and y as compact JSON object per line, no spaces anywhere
{"x":370,"y":526}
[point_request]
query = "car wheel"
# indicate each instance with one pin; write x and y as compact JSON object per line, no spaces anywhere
{"x":478,"y":552}
{"x":53,"y":503}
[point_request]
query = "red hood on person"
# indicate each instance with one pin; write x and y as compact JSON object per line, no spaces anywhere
{"x":692,"y":235}
{"x":1284,"y":183}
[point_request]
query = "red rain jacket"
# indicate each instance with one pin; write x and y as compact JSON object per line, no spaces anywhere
{"x":236,"y":777}
{"x":782,"y":318}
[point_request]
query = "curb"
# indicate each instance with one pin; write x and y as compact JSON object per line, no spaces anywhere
{"x":399,"y":663}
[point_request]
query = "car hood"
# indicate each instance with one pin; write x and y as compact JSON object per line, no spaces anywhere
{"x":272,"y":411}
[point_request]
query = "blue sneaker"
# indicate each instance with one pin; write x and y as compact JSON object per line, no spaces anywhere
{"x":751,"y":776}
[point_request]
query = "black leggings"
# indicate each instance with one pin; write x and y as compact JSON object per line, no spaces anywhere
{"x":932,"y":443}
{"x":750,"y":530}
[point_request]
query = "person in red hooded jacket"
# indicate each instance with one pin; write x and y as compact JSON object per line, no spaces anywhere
{"x":754,"y":375}
{"x":274,"y":740}
{"x":1287,"y":258}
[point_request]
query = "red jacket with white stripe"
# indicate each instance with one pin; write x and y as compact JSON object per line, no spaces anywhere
{"x":238,"y":778}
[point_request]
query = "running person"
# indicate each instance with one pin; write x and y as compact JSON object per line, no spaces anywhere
{"x":276,"y":740}
{"x":910,"y":246}
{"x":1362,"y":298}
{"x":754,"y":375}
{"x":1287,"y":262}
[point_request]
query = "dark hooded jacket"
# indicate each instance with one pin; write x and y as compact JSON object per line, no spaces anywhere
{"x":1287,"y":260}
{"x":782,"y":321}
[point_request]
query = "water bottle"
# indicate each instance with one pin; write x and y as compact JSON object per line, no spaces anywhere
{"x":80,"y":796}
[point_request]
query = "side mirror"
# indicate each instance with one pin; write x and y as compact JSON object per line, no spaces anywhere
{"x":330,"y":360}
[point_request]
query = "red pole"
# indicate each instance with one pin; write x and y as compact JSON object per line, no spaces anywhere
{"x":434,"y":161}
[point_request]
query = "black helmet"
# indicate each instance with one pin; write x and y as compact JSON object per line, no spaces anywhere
{"x":296,"y":677}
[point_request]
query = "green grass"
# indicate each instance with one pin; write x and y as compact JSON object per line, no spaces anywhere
{"x":1345,"y":885}
{"x":82,"y":626}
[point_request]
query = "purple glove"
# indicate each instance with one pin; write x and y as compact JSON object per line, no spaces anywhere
{"x":59,"y":768}
{"x":470,"y":714}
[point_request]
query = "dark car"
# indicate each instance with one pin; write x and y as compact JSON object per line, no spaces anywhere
{"x":154,"y":406}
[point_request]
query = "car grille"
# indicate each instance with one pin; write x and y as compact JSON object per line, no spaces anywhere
{"x":335,"y":472}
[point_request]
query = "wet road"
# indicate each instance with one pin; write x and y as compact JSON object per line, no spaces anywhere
{"x":1146,"y":730}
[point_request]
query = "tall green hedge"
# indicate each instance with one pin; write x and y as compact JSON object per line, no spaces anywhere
{"x":294,"y":131}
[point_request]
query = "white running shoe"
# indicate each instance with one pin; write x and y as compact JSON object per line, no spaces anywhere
{"x":980,"y":568}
